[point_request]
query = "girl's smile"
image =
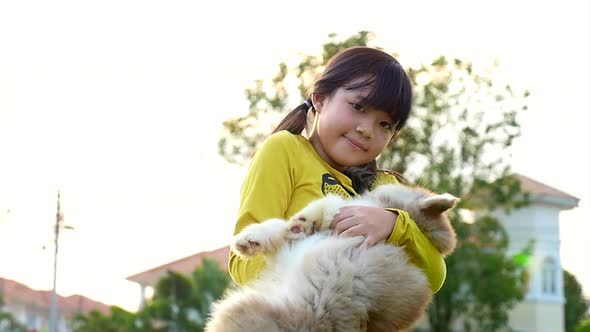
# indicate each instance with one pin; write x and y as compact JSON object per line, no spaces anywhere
{"x":355,"y":143}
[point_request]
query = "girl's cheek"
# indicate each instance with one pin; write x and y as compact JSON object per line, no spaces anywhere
{"x":386,"y":142}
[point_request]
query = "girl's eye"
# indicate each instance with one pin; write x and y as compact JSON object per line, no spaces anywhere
{"x":386,"y":125}
{"x":357,"y":107}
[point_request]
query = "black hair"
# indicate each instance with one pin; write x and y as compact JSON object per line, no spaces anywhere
{"x":391,"y":91}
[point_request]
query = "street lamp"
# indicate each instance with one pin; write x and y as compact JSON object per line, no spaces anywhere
{"x":58,"y":224}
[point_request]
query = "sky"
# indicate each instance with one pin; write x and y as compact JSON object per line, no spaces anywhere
{"x":119,"y":105}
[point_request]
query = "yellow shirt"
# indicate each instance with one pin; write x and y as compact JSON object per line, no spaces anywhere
{"x":286,"y":174}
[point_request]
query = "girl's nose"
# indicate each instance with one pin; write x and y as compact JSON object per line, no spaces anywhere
{"x":365,"y":129}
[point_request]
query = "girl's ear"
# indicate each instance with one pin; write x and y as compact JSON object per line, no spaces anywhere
{"x":318,"y":101}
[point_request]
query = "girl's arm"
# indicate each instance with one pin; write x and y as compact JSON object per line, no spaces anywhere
{"x":417,"y":245}
{"x":421,"y":250}
{"x":266,"y":193}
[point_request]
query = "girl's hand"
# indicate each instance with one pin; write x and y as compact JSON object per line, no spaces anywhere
{"x":376,"y":224}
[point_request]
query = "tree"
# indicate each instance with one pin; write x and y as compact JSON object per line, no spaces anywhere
{"x":180,"y":303}
{"x":118,"y":320}
{"x":170,"y":308}
{"x":210,"y":283}
{"x":8,"y":322}
{"x":456,"y":141}
{"x":583,"y":326}
{"x":575,"y":305}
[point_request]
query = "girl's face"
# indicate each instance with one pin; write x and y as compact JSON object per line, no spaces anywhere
{"x":347,"y":134}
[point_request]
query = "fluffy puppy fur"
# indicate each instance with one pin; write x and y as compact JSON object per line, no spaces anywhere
{"x":315,"y":281}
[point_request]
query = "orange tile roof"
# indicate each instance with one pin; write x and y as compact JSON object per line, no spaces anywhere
{"x":535,"y":187}
{"x":14,"y":292}
{"x":184,"y":265}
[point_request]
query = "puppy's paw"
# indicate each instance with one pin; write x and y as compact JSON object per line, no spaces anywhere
{"x":299,"y":227}
{"x":246,"y":245}
{"x":259,"y":238}
{"x":316,"y":216}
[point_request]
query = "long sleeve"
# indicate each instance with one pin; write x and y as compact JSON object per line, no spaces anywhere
{"x":265,"y":194}
{"x":419,"y":248}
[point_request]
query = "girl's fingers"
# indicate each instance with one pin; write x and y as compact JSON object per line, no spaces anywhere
{"x":339,"y":217}
{"x":355,"y":230}
{"x":344,"y":225}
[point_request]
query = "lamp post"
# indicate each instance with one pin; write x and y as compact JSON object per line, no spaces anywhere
{"x":58,"y":224}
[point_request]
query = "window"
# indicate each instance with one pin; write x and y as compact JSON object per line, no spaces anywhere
{"x":31,"y":318}
{"x":549,"y":276}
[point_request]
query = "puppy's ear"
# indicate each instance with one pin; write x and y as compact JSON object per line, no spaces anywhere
{"x":438,"y":204}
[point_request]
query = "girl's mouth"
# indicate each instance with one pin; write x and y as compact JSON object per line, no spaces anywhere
{"x":355,"y":144}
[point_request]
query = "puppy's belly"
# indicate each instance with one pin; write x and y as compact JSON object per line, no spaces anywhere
{"x":288,"y":265}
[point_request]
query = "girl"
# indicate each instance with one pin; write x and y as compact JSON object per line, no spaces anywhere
{"x":360,"y":103}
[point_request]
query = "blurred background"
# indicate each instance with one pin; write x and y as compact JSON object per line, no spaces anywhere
{"x":120,"y":105}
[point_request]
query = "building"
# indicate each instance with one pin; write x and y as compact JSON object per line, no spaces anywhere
{"x":542,"y":309}
{"x":148,"y":279}
{"x":31,"y":307}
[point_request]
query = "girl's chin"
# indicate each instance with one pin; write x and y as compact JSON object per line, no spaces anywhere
{"x":343,"y":165}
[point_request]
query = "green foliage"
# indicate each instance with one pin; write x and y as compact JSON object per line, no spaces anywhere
{"x":119,"y":320}
{"x":576,"y":305}
{"x":172,"y":305}
{"x":583,"y":326}
{"x":210,"y":284}
{"x":180,"y":303}
{"x":456,"y":141}
{"x":8,"y":322}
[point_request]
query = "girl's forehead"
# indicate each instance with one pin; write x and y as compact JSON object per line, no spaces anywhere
{"x":361,"y":86}
{"x":358,"y":95}
{"x":361,"y":92}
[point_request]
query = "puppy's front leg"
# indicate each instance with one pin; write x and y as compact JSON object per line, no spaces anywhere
{"x":263,"y":238}
{"x":316,"y":216}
